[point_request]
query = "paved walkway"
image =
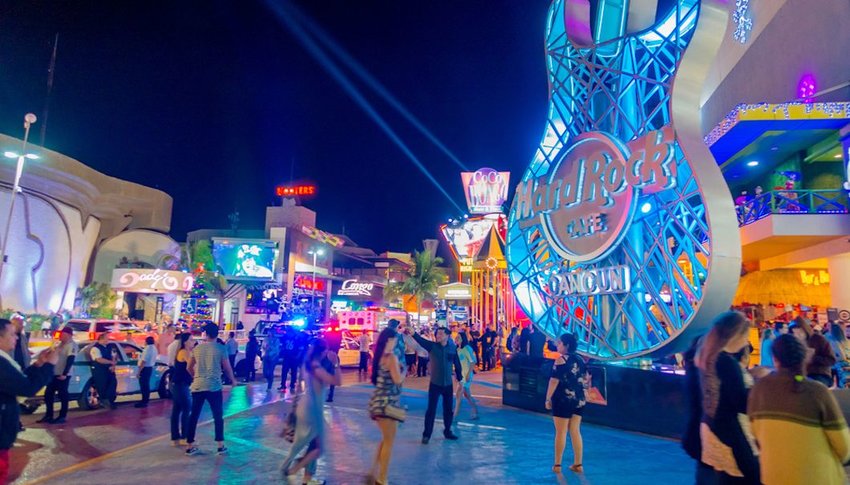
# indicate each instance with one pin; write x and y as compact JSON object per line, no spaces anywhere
{"x":505,"y":446}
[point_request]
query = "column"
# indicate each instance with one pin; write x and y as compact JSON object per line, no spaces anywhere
{"x":839,"y":280}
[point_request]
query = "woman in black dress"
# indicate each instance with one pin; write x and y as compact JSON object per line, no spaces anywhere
{"x":565,"y":397}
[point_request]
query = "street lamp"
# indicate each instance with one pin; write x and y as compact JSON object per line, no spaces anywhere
{"x":316,"y":253}
{"x":29,"y":119}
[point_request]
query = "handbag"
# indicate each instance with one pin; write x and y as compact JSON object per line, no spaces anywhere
{"x":395,"y":412}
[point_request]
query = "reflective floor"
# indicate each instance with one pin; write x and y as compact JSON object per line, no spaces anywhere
{"x":131,"y":446}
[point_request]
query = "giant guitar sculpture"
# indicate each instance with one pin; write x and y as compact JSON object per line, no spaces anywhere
{"x":622,"y":229}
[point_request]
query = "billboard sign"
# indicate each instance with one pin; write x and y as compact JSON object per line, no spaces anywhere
{"x":467,"y":238}
{"x":486,"y":190}
{"x":245,"y":259}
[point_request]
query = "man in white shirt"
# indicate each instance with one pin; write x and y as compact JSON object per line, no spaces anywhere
{"x":363,"y":341}
{"x":232,"y":348}
{"x":147,"y":361}
{"x":62,"y":371}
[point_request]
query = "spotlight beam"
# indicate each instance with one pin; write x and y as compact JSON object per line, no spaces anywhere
{"x":324,"y":60}
{"x":369,"y":79}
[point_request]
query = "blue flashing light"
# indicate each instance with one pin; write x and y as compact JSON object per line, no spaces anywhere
{"x":646,"y":207}
{"x":299,"y":322}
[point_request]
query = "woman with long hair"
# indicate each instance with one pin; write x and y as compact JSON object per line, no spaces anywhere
{"x":565,"y":398}
{"x":181,"y":398}
{"x":310,"y":422}
{"x":384,"y":407}
{"x":724,"y":432}
{"x":786,"y":404}
{"x":467,"y":365}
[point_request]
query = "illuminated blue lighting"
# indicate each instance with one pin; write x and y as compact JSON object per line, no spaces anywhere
{"x":646,"y":207}
{"x":753,"y":163}
{"x":299,"y":322}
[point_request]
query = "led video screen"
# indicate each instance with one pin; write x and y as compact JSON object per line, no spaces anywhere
{"x":245,"y":259}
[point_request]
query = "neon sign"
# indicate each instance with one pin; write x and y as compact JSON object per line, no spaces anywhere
{"x":586,"y":200}
{"x":355,"y":288}
{"x":594,"y":281}
{"x":486,"y":190}
{"x":622,"y":206}
{"x":295,"y":190}
{"x":306,"y":283}
{"x":151,"y":281}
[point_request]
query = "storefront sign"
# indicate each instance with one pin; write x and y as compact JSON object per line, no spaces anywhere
{"x":454,"y":291}
{"x":307,"y":283}
{"x":486,"y":190}
{"x":355,"y":288}
{"x":137,"y":280}
{"x":818,"y":278}
{"x":465,"y":265}
{"x":295,"y":190}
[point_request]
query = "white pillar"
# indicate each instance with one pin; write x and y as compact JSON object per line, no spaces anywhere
{"x":839,"y":280}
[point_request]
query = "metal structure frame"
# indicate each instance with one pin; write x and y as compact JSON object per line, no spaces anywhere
{"x":681,"y":244}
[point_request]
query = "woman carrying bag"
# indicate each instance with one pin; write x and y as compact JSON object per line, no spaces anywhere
{"x":384,"y":407}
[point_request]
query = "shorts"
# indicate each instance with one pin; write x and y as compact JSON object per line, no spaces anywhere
{"x":565,"y":409}
{"x":410,"y":359}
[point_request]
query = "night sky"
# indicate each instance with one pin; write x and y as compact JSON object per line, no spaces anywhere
{"x":213,"y":101}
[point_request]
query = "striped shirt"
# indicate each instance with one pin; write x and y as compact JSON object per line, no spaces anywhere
{"x":208,"y":357}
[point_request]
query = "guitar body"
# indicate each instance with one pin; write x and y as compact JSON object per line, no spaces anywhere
{"x":622,"y":229}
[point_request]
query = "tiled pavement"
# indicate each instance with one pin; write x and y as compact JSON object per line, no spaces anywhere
{"x":506,"y":446}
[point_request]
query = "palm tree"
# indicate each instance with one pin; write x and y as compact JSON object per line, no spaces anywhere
{"x":422,"y":279}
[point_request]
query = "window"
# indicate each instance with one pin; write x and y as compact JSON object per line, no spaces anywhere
{"x":78,"y":325}
{"x":131,"y":351}
{"x":113,"y":349}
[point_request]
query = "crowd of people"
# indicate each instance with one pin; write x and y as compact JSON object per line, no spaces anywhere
{"x":775,"y":423}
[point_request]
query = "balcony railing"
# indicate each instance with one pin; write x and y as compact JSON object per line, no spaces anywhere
{"x":793,"y":202}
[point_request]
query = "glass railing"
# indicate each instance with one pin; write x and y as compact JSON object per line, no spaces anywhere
{"x":793,"y":202}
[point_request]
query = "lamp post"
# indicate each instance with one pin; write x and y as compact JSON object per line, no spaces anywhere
{"x":29,"y":119}
{"x":316,"y":253}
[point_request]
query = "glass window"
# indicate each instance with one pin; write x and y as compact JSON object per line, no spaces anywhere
{"x":103,"y":327}
{"x":78,"y":325}
{"x":131,"y":351}
{"x":113,"y":348}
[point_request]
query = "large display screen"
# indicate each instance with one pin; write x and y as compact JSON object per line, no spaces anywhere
{"x":245,"y":259}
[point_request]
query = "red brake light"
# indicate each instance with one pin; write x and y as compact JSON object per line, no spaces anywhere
{"x":92,"y":335}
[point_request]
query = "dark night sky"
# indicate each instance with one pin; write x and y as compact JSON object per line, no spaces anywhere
{"x":211,"y":101}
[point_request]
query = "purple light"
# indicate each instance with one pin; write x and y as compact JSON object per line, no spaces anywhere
{"x":806,"y":88}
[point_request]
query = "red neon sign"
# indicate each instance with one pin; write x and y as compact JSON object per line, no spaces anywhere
{"x":295,"y":190}
{"x":306,"y":283}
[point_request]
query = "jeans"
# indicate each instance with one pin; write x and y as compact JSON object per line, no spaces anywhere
{"x":434,"y":393}
{"x":290,"y":366}
{"x":364,"y":362}
{"x":215,"y":400}
{"x":54,"y":387}
{"x":268,"y":373}
{"x":145,"y":383}
{"x":422,"y":367}
{"x":487,"y":358}
{"x":180,"y":411}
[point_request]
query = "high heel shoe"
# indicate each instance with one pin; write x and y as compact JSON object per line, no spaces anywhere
{"x":577,"y":468}
{"x":556,"y":468}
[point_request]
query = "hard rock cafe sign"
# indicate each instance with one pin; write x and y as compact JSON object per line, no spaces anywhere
{"x":611,"y":235}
